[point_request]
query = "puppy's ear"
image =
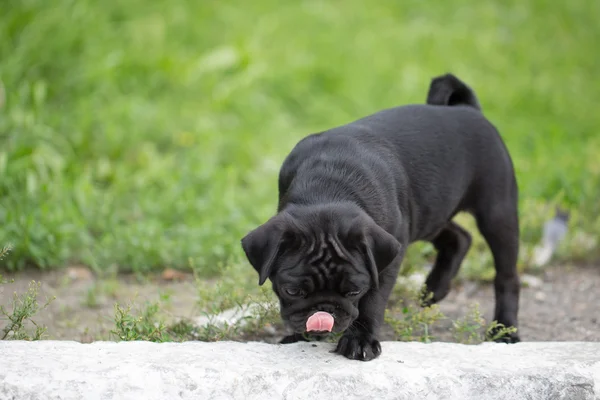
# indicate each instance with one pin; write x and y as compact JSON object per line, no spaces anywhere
{"x":380,"y":248}
{"x":262,"y":246}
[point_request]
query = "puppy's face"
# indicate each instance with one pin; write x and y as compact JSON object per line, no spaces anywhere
{"x":320,"y":259}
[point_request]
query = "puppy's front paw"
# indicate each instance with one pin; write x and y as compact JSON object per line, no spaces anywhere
{"x":358,"y":347}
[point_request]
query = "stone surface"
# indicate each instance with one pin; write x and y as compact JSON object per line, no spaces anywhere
{"x":227,"y":370}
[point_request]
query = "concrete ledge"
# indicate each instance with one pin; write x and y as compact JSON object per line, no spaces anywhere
{"x":226,"y":370}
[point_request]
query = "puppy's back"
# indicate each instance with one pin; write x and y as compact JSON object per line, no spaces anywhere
{"x":430,"y":155}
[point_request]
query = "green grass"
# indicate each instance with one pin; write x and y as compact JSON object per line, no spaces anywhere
{"x":149,"y":134}
{"x":17,"y":322}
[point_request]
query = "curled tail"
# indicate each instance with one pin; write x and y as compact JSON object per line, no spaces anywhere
{"x":448,"y":90}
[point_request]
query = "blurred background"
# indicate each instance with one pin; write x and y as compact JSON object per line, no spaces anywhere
{"x":140,"y":141}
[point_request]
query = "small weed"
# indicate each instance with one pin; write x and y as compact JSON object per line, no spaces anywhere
{"x":3,"y":253}
{"x":467,"y":330}
{"x":183,"y":330}
{"x":473,"y":328}
{"x":24,"y":307}
{"x":216,"y":332}
{"x":149,"y":325}
{"x":98,"y":292}
{"x":236,"y":289}
{"x":144,"y":326}
{"x":232,"y":289}
{"x":110,"y":287}
{"x":496,"y":330}
{"x":265,"y":313}
{"x":91,"y":297}
{"x":410,"y":321}
{"x":5,"y":250}
{"x":258,"y":315}
{"x":165,"y":296}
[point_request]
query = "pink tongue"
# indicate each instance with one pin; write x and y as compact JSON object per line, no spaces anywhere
{"x":320,"y":321}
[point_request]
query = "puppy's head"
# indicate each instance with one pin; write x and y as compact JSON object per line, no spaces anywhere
{"x":320,"y":259}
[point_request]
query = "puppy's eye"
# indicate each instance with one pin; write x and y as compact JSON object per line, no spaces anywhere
{"x":294,"y":292}
{"x":353,"y":293}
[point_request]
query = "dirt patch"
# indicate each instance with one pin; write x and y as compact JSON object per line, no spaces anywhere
{"x":563,"y":305}
{"x":84,"y":306}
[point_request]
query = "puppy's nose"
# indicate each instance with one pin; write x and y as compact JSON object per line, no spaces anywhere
{"x":328,"y":308}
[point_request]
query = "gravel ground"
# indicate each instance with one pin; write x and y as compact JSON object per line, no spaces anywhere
{"x":563,"y":304}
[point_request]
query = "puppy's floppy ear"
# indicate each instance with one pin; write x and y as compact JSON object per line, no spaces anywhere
{"x":380,"y":249}
{"x":262,"y":245}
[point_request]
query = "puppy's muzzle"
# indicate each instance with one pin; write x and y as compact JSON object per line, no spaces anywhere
{"x":296,"y":313}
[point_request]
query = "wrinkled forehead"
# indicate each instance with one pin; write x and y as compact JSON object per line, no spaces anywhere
{"x":319,"y":275}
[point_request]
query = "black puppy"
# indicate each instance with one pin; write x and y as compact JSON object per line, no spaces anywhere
{"x":351,"y":199}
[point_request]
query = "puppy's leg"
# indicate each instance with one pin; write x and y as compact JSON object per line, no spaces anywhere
{"x":452,"y":244}
{"x":499,"y":225}
{"x":360,"y":340}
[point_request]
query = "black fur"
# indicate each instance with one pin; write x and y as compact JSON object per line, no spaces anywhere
{"x":448,"y":90}
{"x":351,"y":199}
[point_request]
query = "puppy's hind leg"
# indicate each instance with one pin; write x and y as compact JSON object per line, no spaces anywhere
{"x":499,"y":225}
{"x":452,"y":244}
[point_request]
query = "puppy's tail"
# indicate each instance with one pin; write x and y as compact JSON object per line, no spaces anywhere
{"x":448,"y":90}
